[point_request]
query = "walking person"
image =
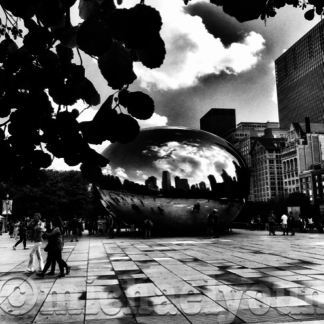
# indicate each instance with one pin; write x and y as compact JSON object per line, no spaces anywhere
{"x":216,"y":223}
{"x":16,"y":230}
{"x":11,"y":228}
{"x":147,"y":228}
{"x":284,"y":225}
{"x":39,"y":230}
{"x":272,"y":223}
{"x":112,"y":227}
{"x":74,"y":226}
{"x":258,"y":223}
{"x":22,"y":234}
{"x":291,"y":224}
{"x":55,"y":248}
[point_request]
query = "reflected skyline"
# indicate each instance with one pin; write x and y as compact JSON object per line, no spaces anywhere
{"x":190,"y":158}
{"x":165,"y":172}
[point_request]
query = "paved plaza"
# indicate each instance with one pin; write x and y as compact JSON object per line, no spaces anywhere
{"x":244,"y":277}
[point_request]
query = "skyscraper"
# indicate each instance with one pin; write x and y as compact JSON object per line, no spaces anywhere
{"x":218,"y":121}
{"x":300,"y":79}
{"x":166,"y":181}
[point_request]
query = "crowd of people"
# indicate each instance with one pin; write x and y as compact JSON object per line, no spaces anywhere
{"x":287,"y":223}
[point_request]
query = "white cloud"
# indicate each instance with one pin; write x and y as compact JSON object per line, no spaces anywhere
{"x":60,"y":165}
{"x":155,"y":120}
{"x":192,"y":162}
{"x":120,"y":172}
{"x":192,"y":52}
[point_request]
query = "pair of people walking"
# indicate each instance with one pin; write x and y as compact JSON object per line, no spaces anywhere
{"x":54,"y":249}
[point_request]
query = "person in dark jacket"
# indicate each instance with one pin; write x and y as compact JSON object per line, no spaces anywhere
{"x":55,"y":248}
{"x":74,"y":226}
{"x":216,"y":223}
{"x":291,"y":224}
{"x":272,"y":223}
{"x":22,"y":231}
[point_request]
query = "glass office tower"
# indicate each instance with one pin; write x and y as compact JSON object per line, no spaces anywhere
{"x":300,"y":79}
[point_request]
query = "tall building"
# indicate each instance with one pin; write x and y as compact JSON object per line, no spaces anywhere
{"x":267,"y":168}
{"x":244,"y":136}
{"x":303,"y":160}
{"x":218,"y":121}
{"x":166,"y":181}
{"x":183,"y":184}
{"x":151,"y":183}
{"x":300,"y":79}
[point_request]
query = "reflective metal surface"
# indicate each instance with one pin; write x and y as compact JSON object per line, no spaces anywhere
{"x":176,"y":177}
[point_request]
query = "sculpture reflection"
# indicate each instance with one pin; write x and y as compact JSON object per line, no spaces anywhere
{"x":176,"y":176}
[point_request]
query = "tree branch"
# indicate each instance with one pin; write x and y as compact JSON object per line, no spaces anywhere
{"x":80,"y":56}
{"x":84,"y":109}
{"x":5,"y":123}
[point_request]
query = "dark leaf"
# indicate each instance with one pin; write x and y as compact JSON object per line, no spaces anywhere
{"x":93,"y":38}
{"x":123,"y":97}
{"x":116,"y":66}
{"x":140,"y":105}
{"x":19,"y":8}
{"x":90,"y":132}
{"x":65,"y":54}
{"x":310,"y":14}
{"x":129,"y":128}
{"x":153,"y":55}
{"x":72,"y":159}
{"x":41,"y":159}
{"x":48,"y":59}
{"x":90,"y":156}
{"x":88,"y":9}
{"x":145,"y":24}
{"x":34,"y":42}
{"x":89,"y":93}
{"x":10,"y":45}
{"x":105,"y":111}
{"x":49,"y":12}
{"x":107,"y":6}
{"x":244,"y":10}
{"x":69,"y":37}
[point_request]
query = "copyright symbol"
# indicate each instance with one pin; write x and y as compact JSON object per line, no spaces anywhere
{"x":21,"y":293}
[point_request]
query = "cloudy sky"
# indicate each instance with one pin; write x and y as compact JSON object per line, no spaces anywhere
{"x":212,"y":61}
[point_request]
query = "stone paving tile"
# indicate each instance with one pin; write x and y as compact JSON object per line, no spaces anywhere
{"x":229,"y":280}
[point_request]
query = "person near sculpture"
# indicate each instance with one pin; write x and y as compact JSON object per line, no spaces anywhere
{"x":284,"y":225}
{"x":272,"y":223}
{"x":39,"y":230}
{"x":22,"y":232}
{"x":291,"y":224}
{"x":216,"y":223}
{"x":54,"y":249}
{"x":148,"y":224}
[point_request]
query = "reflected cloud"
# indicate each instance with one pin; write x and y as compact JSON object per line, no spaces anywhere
{"x":179,"y":173}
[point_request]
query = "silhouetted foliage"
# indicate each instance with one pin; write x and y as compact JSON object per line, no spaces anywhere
{"x":44,"y":68}
{"x":64,"y":193}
